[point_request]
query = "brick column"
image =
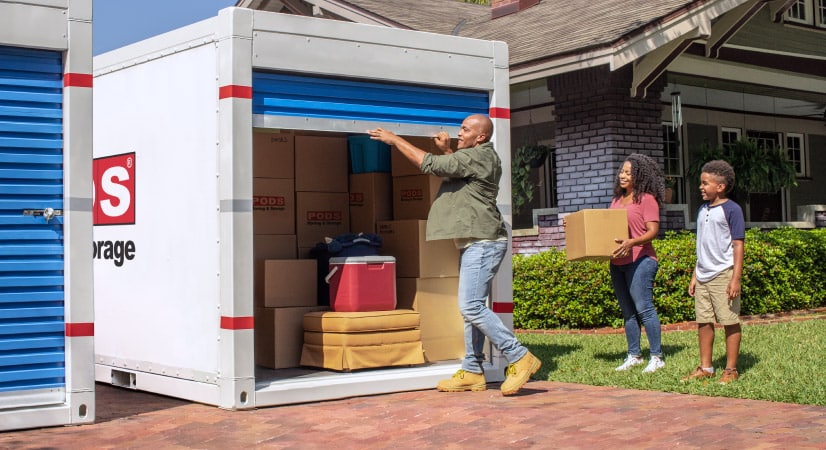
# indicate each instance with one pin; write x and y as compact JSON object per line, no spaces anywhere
{"x":598,"y":125}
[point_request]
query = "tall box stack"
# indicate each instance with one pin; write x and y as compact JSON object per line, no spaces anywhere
{"x":371,"y":200}
{"x":590,"y":233}
{"x":321,"y":178}
{"x":273,"y":209}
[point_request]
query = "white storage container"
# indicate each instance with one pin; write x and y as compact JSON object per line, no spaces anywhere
{"x":46,"y":315}
{"x":175,"y":116}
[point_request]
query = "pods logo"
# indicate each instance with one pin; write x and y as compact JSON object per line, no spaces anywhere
{"x":114,"y":190}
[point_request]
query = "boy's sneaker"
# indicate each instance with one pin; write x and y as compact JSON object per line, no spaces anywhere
{"x":629,"y":362}
{"x":463,"y":381}
{"x":729,"y":375}
{"x":697,"y":374}
{"x":654,"y":364}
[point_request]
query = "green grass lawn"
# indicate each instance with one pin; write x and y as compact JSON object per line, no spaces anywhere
{"x":783,"y":362}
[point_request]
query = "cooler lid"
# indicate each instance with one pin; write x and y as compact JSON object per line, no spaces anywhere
{"x":362,"y":259}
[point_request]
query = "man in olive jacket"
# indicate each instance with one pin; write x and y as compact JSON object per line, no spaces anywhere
{"x":465,"y":210}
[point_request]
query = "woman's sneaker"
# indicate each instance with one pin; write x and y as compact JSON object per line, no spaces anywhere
{"x":630,"y":362}
{"x":654,"y":364}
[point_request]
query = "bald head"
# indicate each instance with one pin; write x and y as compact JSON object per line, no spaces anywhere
{"x":476,"y":129}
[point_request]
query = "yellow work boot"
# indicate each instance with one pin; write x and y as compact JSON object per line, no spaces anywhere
{"x":517,"y":374}
{"x":463,"y":381}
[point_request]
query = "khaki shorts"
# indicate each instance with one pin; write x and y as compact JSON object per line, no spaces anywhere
{"x":711,"y":301}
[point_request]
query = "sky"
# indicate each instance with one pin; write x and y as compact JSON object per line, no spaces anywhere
{"x":116,"y":23}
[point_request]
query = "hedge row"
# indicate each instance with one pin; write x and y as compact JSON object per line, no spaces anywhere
{"x":783,"y":270}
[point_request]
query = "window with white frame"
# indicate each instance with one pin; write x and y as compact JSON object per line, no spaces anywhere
{"x":808,"y":12}
{"x":798,"y":12}
{"x":728,"y":136}
{"x":797,"y":155}
{"x":764,"y":139}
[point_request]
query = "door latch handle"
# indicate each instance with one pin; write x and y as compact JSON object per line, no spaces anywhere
{"x":47,"y":213}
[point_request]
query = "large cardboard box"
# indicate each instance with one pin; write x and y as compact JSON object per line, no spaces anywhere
{"x":273,"y":154}
{"x":371,"y":200}
{"x":590,"y":233}
{"x":273,"y":206}
{"x":415,"y":256}
{"x":441,"y":324}
{"x":290,"y":282}
{"x":400,"y":166}
{"x":279,"y":335}
{"x":321,"y":164}
{"x":320,"y":215}
{"x":413,"y":195}
{"x":269,"y":246}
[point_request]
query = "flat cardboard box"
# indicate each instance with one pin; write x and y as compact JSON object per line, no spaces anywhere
{"x":590,"y":233}
{"x":321,"y":164}
{"x":290,"y":282}
{"x":320,"y":215}
{"x":273,"y":206}
{"x":370,"y":201}
{"x":279,"y":335}
{"x":413,"y":195}
{"x":415,"y":256}
{"x":441,"y":324}
{"x":264,"y":247}
{"x":273,"y":154}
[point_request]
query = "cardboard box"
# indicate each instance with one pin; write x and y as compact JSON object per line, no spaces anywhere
{"x":413,"y":195}
{"x":264,"y":247}
{"x":441,"y":324}
{"x":320,"y":215}
{"x":400,"y":166}
{"x":279,"y":335}
{"x":371,"y":200}
{"x":590,"y":233}
{"x":415,"y":256}
{"x":290,"y":282}
{"x":321,"y":164}
{"x":273,"y":206}
{"x":273,"y":154}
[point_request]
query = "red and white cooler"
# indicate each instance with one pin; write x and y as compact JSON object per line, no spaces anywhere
{"x":362,"y":283}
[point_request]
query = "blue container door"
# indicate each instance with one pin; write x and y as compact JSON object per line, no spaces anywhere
{"x":284,"y":94}
{"x":32,"y":328}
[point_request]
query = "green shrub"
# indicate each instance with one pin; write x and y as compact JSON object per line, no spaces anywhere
{"x":783,"y":270}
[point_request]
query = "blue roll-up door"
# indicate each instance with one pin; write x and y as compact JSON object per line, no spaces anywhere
{"x":284,"y":94}
{"x":32,"y":327}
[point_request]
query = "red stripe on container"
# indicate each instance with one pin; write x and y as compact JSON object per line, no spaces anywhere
{"x":234,"y":91}
{"x":80,"y":329}
{"x":502,"y":308}
{"x":500,"y":113}
{"x":77,"y":80}
{"x":237,"y":323}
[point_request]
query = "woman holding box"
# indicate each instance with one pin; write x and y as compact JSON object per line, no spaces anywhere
{"x":639,"y":189}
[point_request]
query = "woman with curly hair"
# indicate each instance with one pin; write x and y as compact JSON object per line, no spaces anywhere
{"x":639,"y":189}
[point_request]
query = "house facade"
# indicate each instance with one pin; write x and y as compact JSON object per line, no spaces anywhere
{"x":598,"y":81}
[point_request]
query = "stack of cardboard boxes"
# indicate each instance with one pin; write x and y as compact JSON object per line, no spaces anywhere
{"x":302,"y":193}
{"x":427,"y":272}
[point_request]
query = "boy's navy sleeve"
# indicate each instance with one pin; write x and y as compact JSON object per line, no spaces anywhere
{"x":736,"y":223}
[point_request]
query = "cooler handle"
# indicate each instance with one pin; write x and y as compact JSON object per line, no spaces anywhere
{"x":330,"y":275}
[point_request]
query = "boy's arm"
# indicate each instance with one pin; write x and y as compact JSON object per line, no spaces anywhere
{"x":733,"y":289}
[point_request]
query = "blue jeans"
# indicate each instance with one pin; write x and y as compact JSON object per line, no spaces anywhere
{"x":634,"y":287}
{"x":478,"y":264}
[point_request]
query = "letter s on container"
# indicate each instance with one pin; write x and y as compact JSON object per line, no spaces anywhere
{"x":114,"y":189}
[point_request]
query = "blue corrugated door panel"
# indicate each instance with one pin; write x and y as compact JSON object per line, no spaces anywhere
{"x":283,"y":94}
{"x":32,"y":325}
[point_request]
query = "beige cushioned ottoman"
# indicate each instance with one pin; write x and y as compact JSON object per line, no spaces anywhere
{"x":347,"y":341}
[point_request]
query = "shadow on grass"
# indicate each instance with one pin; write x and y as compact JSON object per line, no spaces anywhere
{"x":745,"y":361}
{"x":549,"y":354}
{"x":619,"y":357}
